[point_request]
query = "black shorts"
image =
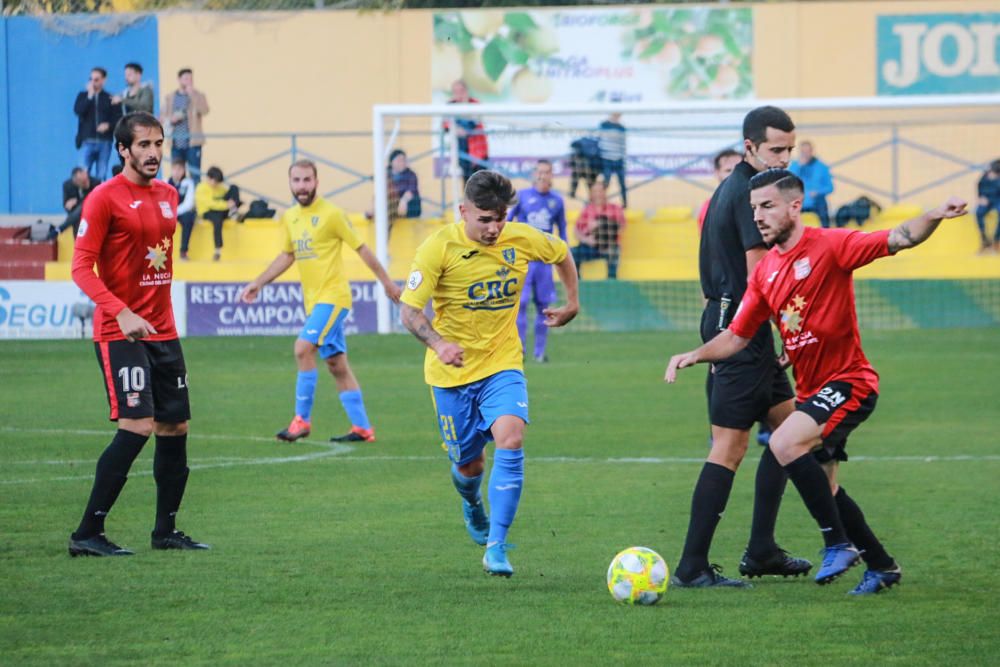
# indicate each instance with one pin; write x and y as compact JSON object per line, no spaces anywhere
{"x":145,"y":379}
{"x":746,"y":386}
{"x":839,"y":409}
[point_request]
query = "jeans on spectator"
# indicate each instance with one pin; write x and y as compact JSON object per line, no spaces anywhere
{"x":585,"y":253}
{"x":93,"y":156}
{"x":191,"y":155}
{"x":609,"y":167}
{"x":819,"y":207}
{"x":186,"y":221}
{"x":981,"y":213}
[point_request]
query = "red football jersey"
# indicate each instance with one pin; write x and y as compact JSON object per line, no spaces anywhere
{"x":810,"y":292}
{"x":128,"y":230}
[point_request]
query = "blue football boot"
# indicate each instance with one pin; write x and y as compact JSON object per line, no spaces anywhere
{"x":476,"y":521}
{"x":876,"y":581}
{"x":837,"y":560}
{"x":495,"y":560}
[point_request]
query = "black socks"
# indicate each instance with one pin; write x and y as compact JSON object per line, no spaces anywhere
{"x":769,"y":487}
{"x":814,"y":487}
{"x":708,"y":502}
{"x":171,"y":473}
{"x":112,"y":473}
{"x":861,"y":535}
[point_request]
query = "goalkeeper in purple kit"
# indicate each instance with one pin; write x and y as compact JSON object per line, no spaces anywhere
{"x":544,"y":210}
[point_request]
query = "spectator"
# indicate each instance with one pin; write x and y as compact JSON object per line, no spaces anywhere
{"x":75,"y":190}
{"x":404,"y":192}
{"x":215,"y":201}
{"x":185,"y":198}
{"x":96,"y":118}
{"x":816,"y":177}
{"x":611,"y":135}
{"x":598,"y":229}
{"x":473,"y":148}
{"x":585,"y":163}
{"x":182,"y":111}
{"x":138,"y":96}
{"x":725,"y":161}
{"x":989,"y":200}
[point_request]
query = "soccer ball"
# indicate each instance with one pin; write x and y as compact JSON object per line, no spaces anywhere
{"x":637,"y":575}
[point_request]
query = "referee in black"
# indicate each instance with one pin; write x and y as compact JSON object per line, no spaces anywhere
{"x":749,"y":386}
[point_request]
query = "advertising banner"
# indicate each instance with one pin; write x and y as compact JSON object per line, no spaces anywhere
{"x":214,"y":309}
{"x":584,"y":55}
{"x":57,"y":309}
{"x":938,"y":54}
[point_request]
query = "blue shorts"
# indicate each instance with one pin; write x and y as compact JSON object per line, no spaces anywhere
{"x":324,"y":328}
{"x":466,"y":413}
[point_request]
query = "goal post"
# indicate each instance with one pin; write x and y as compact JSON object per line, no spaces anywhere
{"x":670,"y":146}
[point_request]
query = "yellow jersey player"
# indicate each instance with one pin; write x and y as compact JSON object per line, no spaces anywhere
{"x":315,"y":232}
{"x":474,"y":272}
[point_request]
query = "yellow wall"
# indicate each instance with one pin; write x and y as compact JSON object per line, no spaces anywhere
{"x":323,"y":71}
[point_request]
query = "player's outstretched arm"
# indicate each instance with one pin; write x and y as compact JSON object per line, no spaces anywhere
{"x":723,"y":346}
{"x":417,"y":323}
{"x":557,"y":317}
{"x":914,"y":232}
{"x":281,"y":263}
{"x":392,"y":290}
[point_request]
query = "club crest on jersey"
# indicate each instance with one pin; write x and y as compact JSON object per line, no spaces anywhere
{"x":132,"y":399}
{"x":166,"y":210}
{"x":802,"y":268}
{"x":315,"y":220}
{"x":509,"y":255}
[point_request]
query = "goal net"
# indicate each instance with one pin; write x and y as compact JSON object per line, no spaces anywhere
{"x":902,"y":153}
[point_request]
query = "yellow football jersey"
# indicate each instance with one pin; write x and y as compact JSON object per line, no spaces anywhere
{"x":476,"y":291}
{"x":316,"y":234}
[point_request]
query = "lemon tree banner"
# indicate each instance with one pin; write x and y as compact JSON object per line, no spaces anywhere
{"x":594,"y":55}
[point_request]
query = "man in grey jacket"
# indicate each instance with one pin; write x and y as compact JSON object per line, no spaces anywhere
{"x":139,"y":94}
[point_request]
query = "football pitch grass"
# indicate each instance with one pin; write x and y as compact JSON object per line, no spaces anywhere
{"x":337,"y":555}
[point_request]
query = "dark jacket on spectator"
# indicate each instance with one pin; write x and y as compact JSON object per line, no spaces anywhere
{"x":91,"y":112}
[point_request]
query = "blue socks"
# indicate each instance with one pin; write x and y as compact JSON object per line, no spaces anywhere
{"x":467,"y":487}
{"x":506,"y":480}
{"x":305,"y":391}
{"x":354,"y":406}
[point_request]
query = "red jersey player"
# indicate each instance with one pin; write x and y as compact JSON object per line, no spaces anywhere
{"x":127,"y":229}
{"x":805,"y":283}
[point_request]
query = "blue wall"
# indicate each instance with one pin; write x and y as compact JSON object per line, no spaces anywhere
{"x":45,"y":71}
{"x":4,"y":124}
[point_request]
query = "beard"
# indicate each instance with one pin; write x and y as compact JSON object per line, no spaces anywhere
{"x":305,"y":198}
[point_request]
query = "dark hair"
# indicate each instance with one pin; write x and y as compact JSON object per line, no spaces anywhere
{"x":186,"y":70}
{"x":490,"y":191}
{"x":76,"y":170}
{"x":215,"y":174}
{"x":125,"y":129}
{"x":298,"y":163}
{"x":543,"y":161}
{"x":783,"y":179}
{"x":116,"y":169}
{"x":723,"y":154}
{"x":103,"y":72}
{"x":136,"y":66}
{"x":995,"y":166}
{"x":756,"y":122}
{"x":396,"y":153}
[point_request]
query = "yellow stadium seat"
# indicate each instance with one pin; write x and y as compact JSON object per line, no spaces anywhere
{"x":595,"y":269}
{"x":810,"y":220}
{"x":632,"y":216}
{"x":672,"y":214}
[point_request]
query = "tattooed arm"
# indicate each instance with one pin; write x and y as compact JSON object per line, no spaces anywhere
{"x":914,"y":232}
{"x":417,"y":323}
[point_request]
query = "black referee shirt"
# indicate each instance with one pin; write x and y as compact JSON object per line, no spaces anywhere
{"x":728,"y":233}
